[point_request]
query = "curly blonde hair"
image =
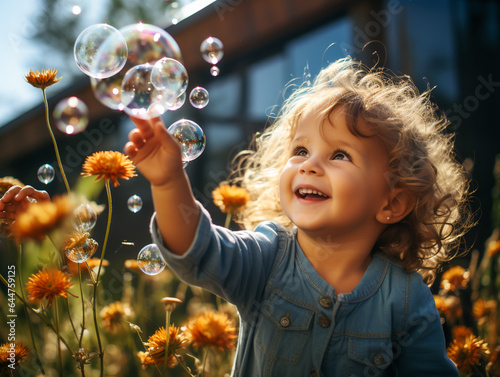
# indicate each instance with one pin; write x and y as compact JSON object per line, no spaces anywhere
{"x":421,"y":160}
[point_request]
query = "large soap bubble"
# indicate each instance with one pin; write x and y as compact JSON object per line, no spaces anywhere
{"x":100,"y":51}
{"x":71,"y":115}
{"x":146,"y":44}
{"x":170,"y":75}
{"x":191,"y":138}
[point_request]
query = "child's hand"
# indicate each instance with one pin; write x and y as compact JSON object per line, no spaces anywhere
{"x":17,"y":198}
{"x":154,"y":151}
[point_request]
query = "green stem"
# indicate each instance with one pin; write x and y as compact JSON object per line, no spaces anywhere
{"x":54,"y":141}
{"x":28,"y":318}
{"x":181,"y":363}
{"x":96,"y":283}
{"x":59,"y":353}
{"x":167,"y":341}
{"x":71,"y":318}
{"x":205,"y":357}
{"x":83,"y":306}
{"x":44,"y":319}
{"x":229,"y":215}
{"x":140,"y":338}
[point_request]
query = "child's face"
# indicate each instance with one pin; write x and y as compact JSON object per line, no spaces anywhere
{"x":334,"y":183}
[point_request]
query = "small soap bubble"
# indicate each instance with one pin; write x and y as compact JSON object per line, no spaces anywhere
{"x":100,"y":51}
{"x":191,"y":138}
{"x":140,"y":97}
{"x":212,"y":50}
{"x":46,"y":173}
{"x":199,"y":97}
{"x":169,"y":75}
{"x":214,"y":70}
{"x":150,"y":260}
{"x":84,"y":218}
{"x":81,"y":253}
{"x":71,"y":115}
{"x":134,"y":203}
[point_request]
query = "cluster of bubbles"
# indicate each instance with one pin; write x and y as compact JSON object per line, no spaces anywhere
{"x":84,"y":220}
{"x":138,"y":70}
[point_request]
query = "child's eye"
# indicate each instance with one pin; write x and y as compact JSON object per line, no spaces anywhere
{"x":341,"y":155}
{"x":299,"y":151}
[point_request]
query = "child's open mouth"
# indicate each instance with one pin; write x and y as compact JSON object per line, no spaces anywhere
{"x":310,"y":194}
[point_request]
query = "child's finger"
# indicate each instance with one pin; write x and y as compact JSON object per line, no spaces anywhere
{"x":145,"y":126}
{"x":136,"y":138}
{"x":130,"y":150}
{"x":24,"y":192}
{"x":10,"y":193}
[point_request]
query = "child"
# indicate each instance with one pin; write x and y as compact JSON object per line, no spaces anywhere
{"x":363,"y":199}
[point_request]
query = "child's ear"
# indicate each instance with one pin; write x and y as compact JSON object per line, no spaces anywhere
{"x":400,"y":203}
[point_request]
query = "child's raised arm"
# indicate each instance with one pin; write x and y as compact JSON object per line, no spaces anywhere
{"x":157,"y":155}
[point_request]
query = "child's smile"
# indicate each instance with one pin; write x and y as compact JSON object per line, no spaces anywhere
{"x":334,"y":181}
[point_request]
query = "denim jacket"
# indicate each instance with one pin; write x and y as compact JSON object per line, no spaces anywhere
{"x":291,"y":321}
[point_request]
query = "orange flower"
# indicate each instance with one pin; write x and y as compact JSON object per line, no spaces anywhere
{"x":91,"y":262}
{"x":230,"y":198}
{"x":440,"y":304}
{"x":18,"y":352}
{"x":114,"y":317}
{"x":109,"y":165}
{"x":76,"y":239}
{"x":42,"y":79}
{"x":212,"y":329}
{"x":455,"y":278}
{"x":461,"y":332}
{"x":156,"y":347}
{"x":46,"y":285}
{"x":38,"y":219}
{"x":468,"y":352}
{"x":493,"y":248}
{"x":132,"y":264}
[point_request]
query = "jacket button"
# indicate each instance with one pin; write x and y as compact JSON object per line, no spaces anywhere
{"x":313,"y":373}
{"x":323,"y":321}
{"x":325,"y":302}
{"x":285,"y":321}
{"x":378,"y":359}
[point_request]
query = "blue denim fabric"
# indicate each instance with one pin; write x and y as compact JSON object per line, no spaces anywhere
{"x":291,"y":321}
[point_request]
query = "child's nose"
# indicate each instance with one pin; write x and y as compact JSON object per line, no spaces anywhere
{"x":311,"y":166}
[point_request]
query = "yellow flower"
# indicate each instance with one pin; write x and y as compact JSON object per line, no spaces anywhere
{"x":6,"y":350}
{"x":212,"y":329}
{"x":42,"y":79}
{"x":230,"y":198}
{"x":468,"y":352}
{"x":114,"y":317}
{"x":38,"y":219}
{"x":156,"y":347}
{"x":46,"y":285}
{"x":455,"y":278}
{"x":109,"y":165}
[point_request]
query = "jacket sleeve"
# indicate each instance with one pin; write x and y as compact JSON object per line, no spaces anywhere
{"x":420,"y":350}
{"x":232,"y":264}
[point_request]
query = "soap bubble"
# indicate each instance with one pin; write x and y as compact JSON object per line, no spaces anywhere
{"x":199,"y":97}
{"x":134,"y":203}
{"x":177,"y":103}
{"x":214,"y":70}
{"x":100,"y":51}
{"x":150,"y":260}
{"x":191,"y":138}
{"x":140,"y":97}
{"x":46,"y":173}
{"x":83,"y":252}
{"x":71,"y":115}
{"x":84,"y":217}
{"x":212,"y":50}
{"x":169,"y":75}
{"x":146,"y":44}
